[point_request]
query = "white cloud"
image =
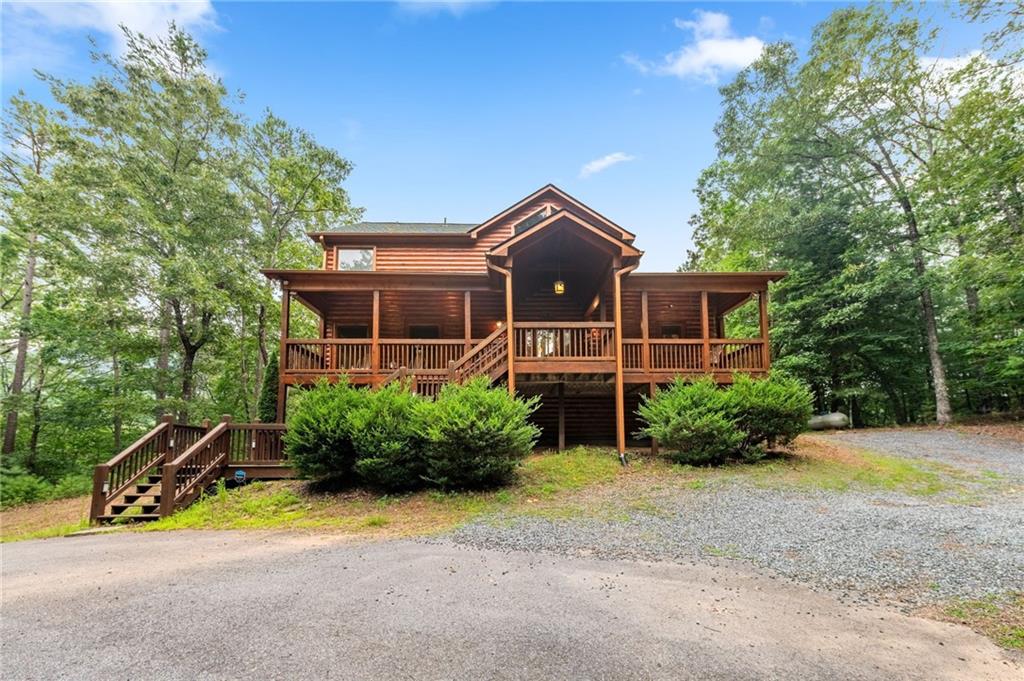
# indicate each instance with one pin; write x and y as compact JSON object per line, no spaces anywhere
{"x":456,"y":8}
{"x":715,"y":49}
{"x":604,"y":163}
{"x":34,"y":33}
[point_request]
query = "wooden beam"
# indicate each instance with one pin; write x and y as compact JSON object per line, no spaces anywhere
{"x":651,"y":388}
{"x":282,"y":388}
{"x":375,"y":335}
{"x":765,"y":350}
{"x":467,"y":311}
{"x":561,"y":417}
{"x":705,"y":332}
{"x":620,"y":399}
{"x":645,"y":334}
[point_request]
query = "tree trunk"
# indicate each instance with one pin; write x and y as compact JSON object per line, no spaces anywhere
{"x":163,"y":361}
{"x":188,"y":360}
{"x":37,"y":418}
{"x":21,"y":352}
{"x":943,"y":412}
{"x":118,"y":418}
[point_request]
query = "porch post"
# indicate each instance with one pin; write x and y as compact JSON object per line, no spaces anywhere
{"x":766,"y":355}
{"x":468,"y":318}
{"x":620,"y":401}
{"x":282,"y":387}
{"x":705,"y":332}
{"x":645,"y":332}
{"x":375,"y":335}
{"x":510,"y":331}
{"x":561,"y":417}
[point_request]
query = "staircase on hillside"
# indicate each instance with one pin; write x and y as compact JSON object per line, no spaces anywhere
{"x":170,"y":466}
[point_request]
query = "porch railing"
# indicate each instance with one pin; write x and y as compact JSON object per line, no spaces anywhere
{"x":565,"y":340}
{"x":686,"y":355}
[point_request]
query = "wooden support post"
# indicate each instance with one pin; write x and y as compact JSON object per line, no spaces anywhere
{"x":561,"y":417}
{"x":467,"y":324}
{"x":620,"y":398}
{"x":168,"y":477}
{"x":705,"y":332}
{"x":645,"y":333}
{"x":510,"y":331}
{"x":282,"y":387}
{"x":766,"y":355}
{"x":375,"y":335}
{"x":651,"y":388}
{"x":169,"y":445}
{"x":100,"y":477}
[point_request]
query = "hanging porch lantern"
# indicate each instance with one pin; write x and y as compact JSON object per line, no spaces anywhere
{"x":559,"y":287}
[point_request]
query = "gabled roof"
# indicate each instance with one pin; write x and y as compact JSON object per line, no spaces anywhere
{"x":402,"y":228}
{"x":624,"y":248}
{"x":581,"y":208}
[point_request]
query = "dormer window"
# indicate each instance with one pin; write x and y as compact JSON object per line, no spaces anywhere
{"x":354,"y":260}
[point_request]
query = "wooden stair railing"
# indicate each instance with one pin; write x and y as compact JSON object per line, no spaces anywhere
{"x":184,"y":479}
{"x":489,"y":356}
{"x":183,"y":460}
{"x":113,"y":479}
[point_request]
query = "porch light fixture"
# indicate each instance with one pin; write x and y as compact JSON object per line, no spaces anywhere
{"x":559,"y":287}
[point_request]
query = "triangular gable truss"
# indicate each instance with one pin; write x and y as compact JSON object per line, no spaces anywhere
{"x":595,"y":234}
{"x":581,"y":207}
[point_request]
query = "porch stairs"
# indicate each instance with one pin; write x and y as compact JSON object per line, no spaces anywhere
{"x":488,"y":358}
{"x":169,"y":467}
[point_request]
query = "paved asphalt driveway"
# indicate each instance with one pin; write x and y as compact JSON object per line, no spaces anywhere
{"x":223,"y":605}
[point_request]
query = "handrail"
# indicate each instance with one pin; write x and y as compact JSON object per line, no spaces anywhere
{"x":478,"y":348}
{"x":564,"y":325}
{"x":103,"y":491}
{"x":201,"y":455}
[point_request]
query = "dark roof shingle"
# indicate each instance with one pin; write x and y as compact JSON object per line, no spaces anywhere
{"x":404,"y":228}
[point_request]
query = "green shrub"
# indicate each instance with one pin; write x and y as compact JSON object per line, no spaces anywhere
{"x":388,"y":436}
{"x":318,"y":441}
{"x":770,"y":411}
{"x":702,"y":423}
{"x":476,"y":435}
{"x":692,"y":420}
{"x":72,"y":486}
{"x":266,"y":407}
{"x":18,"y":486}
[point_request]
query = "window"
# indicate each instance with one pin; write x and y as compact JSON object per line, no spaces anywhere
{"x":671,"y":331}
{"x":354,"y":259}
{"x":424,"y":331}
{"x":352,"y":331}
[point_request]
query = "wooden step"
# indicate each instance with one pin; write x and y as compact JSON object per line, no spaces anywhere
{"x":119,"y":509}
{"x":142,"y":517}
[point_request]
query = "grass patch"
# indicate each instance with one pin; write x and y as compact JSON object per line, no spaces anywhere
{"x":817,"y":464}
{"x":999,"y":617}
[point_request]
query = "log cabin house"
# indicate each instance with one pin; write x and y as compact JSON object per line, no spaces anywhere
{"x":544,"y":297}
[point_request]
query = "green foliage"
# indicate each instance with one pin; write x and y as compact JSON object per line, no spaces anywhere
{"x":266,"y":408}
{"x":704,"y":424}
{"x":477,"y":435}
{"x":693,"y":420}
{"x":18,"y":486}
{"x":319,"y":438}
{"x":769,"y":411}
{"x":889,"y":186}
{"x":388,"y":435}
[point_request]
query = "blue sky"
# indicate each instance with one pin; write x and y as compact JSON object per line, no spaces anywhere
{"x":457,"y":110}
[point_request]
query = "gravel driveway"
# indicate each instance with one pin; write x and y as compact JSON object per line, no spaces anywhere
{"x":241,"y":605}
{"x":861,"y":546}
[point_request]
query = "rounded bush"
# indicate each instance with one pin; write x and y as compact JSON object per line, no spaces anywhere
{"x":319,"y":440}
{"x":388,"y":435}
{"x":477,"y":435}
{"x":692,"y":420}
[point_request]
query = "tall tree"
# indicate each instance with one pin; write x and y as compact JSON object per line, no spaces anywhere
{"x":31,"y":149}
{"x":157,"y":135}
